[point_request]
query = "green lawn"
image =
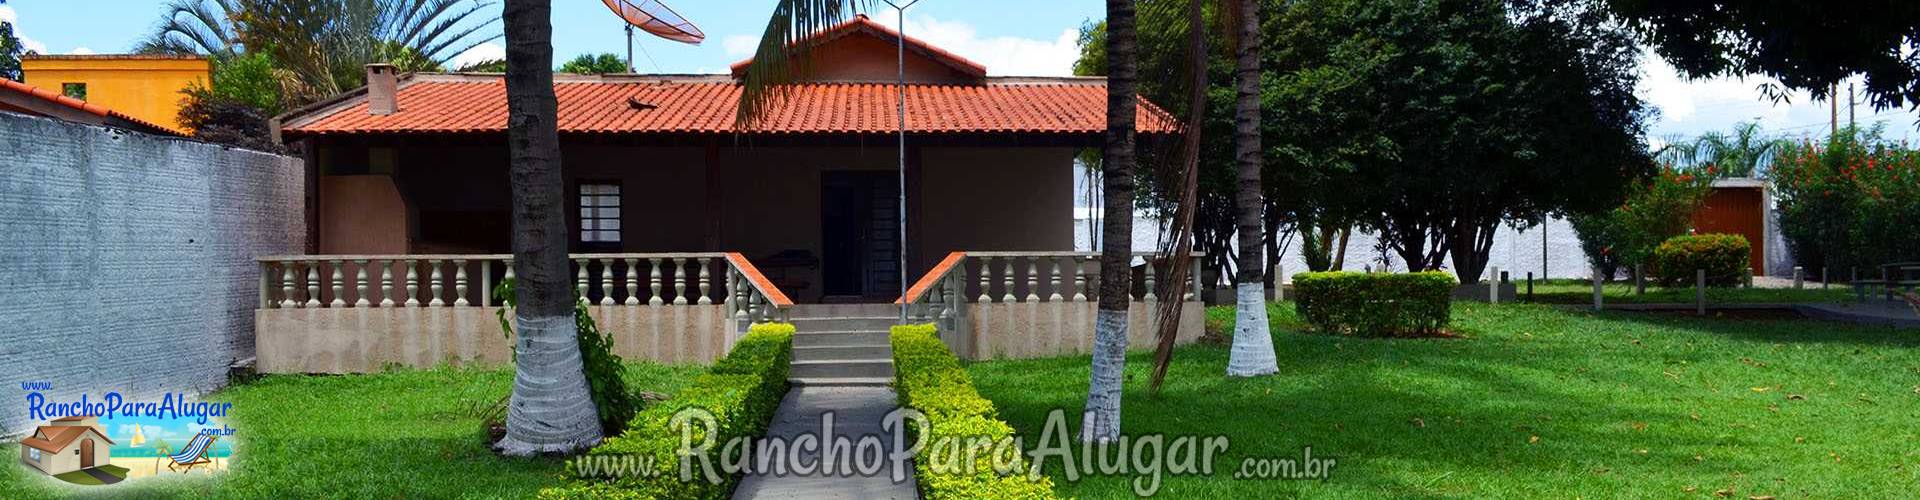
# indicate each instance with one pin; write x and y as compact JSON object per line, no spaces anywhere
{"x":1621,"y":292}
{"x":1536,"y":402}
{"x":403,"y":434}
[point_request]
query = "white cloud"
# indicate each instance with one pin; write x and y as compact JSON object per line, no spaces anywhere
{"x":1003,"y":55}
{"x":488,"y":51}
{"x":9,"y":16}
{"x":80,"y":51}
{"x":740,"y":46}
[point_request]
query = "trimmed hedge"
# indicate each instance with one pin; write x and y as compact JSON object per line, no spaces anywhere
{"x":1725,"y":258}
{"x":929,"y":378}
{"x":1375,"y":304}
{"x":742,"y":391}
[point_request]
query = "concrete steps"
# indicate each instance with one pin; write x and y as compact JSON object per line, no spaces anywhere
{"x":842,"y":345}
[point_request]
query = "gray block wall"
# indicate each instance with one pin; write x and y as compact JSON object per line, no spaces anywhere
{"x":126,"y":260}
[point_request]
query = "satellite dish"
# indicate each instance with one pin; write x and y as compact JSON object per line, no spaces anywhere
{"x":654,"y":17}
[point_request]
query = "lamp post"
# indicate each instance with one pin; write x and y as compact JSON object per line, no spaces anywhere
{"x":900,"y":59}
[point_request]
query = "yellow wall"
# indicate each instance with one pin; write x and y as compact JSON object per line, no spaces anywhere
{"x":144,"y":87}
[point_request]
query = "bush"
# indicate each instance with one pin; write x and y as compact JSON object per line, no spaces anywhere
{"x":1655,"y":209}
{"x":741,"y":391}
{"x":1849,"y":203}
{"x":1375,"y":304}
{"x":1725,"y":258}
{"x":929,"y":378}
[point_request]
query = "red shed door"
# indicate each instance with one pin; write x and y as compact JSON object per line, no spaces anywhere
{"x":1736,"y":211}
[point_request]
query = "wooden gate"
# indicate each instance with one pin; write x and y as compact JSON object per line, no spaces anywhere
{"x":1737,"y":210}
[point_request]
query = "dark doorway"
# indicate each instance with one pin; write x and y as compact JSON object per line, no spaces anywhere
{"x":860,"y":234}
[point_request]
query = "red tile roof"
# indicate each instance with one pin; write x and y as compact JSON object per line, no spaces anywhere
{"x":860,"y":23}
{"x":59,"y":436}
{"x":57,"y":98}
{"x":703,"y":105}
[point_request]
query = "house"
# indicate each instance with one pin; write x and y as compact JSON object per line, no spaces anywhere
{"x":146,"y":87}
{"x":682,"y":221}
{"x":27,"y":99}
{"x":67,"y":444}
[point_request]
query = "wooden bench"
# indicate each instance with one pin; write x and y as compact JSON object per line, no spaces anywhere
{"x":1893,"y":277}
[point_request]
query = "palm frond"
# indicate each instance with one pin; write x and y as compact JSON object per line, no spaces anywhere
{"x":433,"y":41}
{"x":781,"y":60}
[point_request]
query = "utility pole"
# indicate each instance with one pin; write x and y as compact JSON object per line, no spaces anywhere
{"x":1850,"y":105}
{"x":1833,"y":110}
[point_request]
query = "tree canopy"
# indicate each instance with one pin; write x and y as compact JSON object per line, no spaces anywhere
{"x":589,"y":64}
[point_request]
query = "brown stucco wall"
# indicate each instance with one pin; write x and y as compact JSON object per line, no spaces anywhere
{"x":368,"y":217}
{"x":861,"y":57}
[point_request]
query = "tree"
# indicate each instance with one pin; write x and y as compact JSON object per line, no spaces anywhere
{"x":224,"y":119}
{"x":1744,"y":153}
{"x":551,"y":408}
{"x":1807,"y":46}
{"x":1101,"y":420}
{"x":10,"y":51}
{"x":320,"y":47}
{"x":1252,"y":352}
{"x":588,"y":64}
{"x":484,"y":66}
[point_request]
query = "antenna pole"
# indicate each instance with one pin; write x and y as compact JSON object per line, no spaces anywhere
{"x":629,"y":47}
{"x":900,"y":58}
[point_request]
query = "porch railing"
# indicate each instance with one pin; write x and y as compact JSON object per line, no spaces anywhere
{"x":467,"y":280}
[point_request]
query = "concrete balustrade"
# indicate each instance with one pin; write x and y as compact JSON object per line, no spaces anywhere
{"x":422,"y":310}
{"x":1046,"y":311}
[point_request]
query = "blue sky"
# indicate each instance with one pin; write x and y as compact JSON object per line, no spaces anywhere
{"x":1010,"y":37}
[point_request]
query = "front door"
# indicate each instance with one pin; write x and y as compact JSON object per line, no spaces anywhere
{"x":86,"y":453}
{"x":859,"y":225}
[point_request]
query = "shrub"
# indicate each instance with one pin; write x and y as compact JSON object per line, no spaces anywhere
{"x":929,"y":378}
{"x":1725,"y":258}
{"x":741,"y":392}
{"x":1849,"y":202}
{"x":1655,"y":209}
{"x":1375,"y":304}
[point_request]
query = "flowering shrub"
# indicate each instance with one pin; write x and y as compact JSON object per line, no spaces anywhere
{"x":1657,"y":208}
{"x":1850,"y":202}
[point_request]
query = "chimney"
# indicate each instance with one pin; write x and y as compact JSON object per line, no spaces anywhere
{"x":382,"y":83}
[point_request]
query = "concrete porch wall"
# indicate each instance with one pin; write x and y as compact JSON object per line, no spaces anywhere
{"x":364,"y":340}
{"x":1024,"y":330}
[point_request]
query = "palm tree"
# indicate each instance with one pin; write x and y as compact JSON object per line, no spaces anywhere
{"x":1101,"y":420}
{"x":320,"y":46}
{"x":551,"y":408}
{"x":1741,"y":154}
{"x":1252,"y":342}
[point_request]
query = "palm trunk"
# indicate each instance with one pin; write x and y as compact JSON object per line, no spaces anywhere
{"x":552,"y":409}
{"x":1101,"y":422}
{"x":1252,"y":338}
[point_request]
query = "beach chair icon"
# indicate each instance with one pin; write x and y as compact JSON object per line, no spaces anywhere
{"x":195,"y":453}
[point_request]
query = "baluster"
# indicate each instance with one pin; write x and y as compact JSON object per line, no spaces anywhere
{"x":386,"y":281}
{"x":413,"y":284}
{"x":679,"y":281}
{"x":946,"y":302}
{"x":286,"y":284}
{"x":653,"y":281}
{"x":509,"y":275}
{"x":606,"y":282}
{"x":1149,"y":275}
{"x":313,"y":284}
{"x":1007,"y":279}
{"x":986,"y":280}
{"x":360,"y":284}
{"x":339,"y":289}
{"x":1055,"y":281}
{"x":633,"y":283}
{"x":700,"y":264}
{"x":1079,"y":280}
{"x":1033,"y":279}
{"x":266,"y":285}
{"x":753,"y":307}
{"x":460,"y":283}
{"x":486,"y":282}
{"x":580,"y":279}
{"x":1093,"y":282}
{"x":438,"y":285}
{"x":736,"y":287}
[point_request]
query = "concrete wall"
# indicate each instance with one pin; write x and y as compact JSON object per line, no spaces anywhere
{"x":127,"y":259}
{"x":1023,"y":330}
{"x":375,"y":223}
{"x":364,"y":340}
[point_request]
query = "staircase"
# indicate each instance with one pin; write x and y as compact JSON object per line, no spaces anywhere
{"x":842,"y":344}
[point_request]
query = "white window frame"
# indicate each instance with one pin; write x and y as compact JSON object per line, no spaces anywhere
{"x":600,"y":210}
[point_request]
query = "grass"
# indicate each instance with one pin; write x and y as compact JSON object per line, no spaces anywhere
{"x":1566,"y":291}
{"x":1536,"y":402}
{"x":401,"y":434}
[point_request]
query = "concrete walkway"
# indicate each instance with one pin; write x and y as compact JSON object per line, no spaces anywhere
{"x":857,"y":413}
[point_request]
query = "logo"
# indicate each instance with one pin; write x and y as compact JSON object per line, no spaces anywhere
{"x":111,"y":439}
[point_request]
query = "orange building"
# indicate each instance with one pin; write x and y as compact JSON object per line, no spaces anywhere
{"x":145,"y":87}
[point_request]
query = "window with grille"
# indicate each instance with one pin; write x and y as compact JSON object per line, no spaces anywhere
{"x":599,"y":213}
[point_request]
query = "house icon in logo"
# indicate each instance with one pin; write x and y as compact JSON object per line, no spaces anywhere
{"x":66,"y":445}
